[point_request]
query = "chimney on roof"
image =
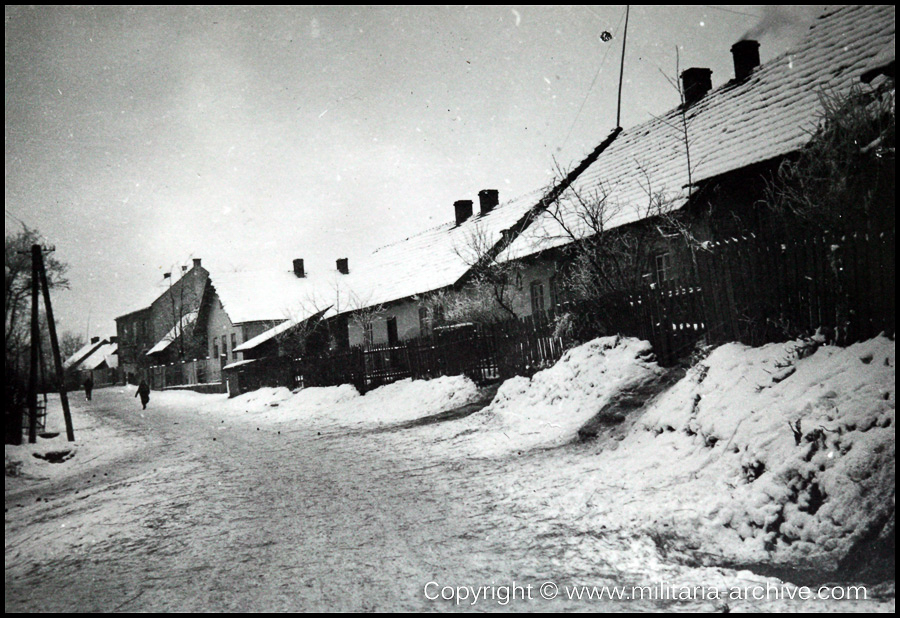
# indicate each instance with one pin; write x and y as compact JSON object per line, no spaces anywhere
{"x":343,"y":266}
{"x":183,"y":268}
{"x":746,"y":58}
{"x":95,"y":339}
{"x":298,"y":268}
{"x":488,"y":198}
{"x":113,"y":339}
{"x":196,"y":262}
{"x":695,"y":83}
{"x":463,"y":210}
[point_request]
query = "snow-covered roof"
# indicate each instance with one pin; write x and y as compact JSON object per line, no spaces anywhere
{"x":773,"y":112}
{"x":174,"y":332}
{"x":144,"y":297}
{"x":279,"y":295}
{"x":282,"y":328}
{"x":435,"y":258}
{"x":105,"y":353}
{"x":82,"y":353}
{"x":239,"y":363}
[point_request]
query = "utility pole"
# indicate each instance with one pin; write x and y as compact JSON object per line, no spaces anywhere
{"x":35,"y":342}
{"x":39,"y":279}
{"x":57,"y":359}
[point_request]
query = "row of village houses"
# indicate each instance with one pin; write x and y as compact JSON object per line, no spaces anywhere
{"x":738,"y":134}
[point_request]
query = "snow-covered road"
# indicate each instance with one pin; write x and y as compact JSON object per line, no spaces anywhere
{"x":202,"y":512}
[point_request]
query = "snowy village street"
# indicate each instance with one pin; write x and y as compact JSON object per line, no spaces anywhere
{"x":209,"y":515}
{"x":306,"y":501}
{"x":213,"y":515}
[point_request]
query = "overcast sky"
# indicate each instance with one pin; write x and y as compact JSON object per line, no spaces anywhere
{"x":139,"y":137}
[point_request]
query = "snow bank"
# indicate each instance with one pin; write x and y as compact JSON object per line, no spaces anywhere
{"x":410,"y":399}
{"x":779,"y":454}
{"x":549,"y":408}
{"x":807,"y":445}
{"x":343,"y":405}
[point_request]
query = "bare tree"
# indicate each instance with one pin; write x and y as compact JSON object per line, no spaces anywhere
{"x":304,"y":331}
{"x":487,"y":295}
{"x":364,"y":314}
{"x":182,"y":304}
{"x":70,"y":343}
{"x":18,"y":290}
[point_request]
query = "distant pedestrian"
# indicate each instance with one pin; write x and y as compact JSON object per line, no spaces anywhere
{"x":88,"y":387}
{"x":144,"y":391}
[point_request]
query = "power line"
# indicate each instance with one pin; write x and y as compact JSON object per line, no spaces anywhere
{"x":594,"y":81}
{"x":718,"y":8}
{"x":622,"y":68}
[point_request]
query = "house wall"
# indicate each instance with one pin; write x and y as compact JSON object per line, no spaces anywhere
{"x":140,"y":330}
{"x":183,"y":297}
{"x":539,"y":271}
{"x":407,"y":314}
{"x":219,"y":325}
{"x":134,"y":339}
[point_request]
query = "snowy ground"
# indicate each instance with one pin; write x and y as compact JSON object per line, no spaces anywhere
{"x":320,"y":500}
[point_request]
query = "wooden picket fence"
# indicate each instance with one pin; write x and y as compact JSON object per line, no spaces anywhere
{"x":760,"y":289}
{"x":754,"y":289}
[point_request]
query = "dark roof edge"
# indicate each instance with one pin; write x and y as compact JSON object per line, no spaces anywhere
{"x":515,"y":230}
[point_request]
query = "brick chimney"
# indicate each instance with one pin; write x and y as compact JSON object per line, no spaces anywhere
{"x":113,"y":339}
{"x":746,"y":58}
{"x":196,"y":262}
{"x":463,"y":210}
{"x":488,"y":199}
{"x":95,"y":340}
{"x":298,"y":268}
{"x":695,"y":83}
{"x":343,"y":266}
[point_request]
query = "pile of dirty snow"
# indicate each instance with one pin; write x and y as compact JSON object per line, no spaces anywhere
{"x":549,"y":408}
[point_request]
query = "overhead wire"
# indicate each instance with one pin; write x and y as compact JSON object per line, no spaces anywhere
{"x":593,"y":82}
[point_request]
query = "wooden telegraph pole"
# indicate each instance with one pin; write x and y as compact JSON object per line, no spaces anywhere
{"x":35,"y":342}
{"x":39,"y":278}
{"x":54,"y":345}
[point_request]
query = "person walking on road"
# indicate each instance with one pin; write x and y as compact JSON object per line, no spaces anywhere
{"x":144,"y":391}
{"x":88,"y":387}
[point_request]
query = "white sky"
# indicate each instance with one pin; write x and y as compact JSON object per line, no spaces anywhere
{"x":139,"y":137}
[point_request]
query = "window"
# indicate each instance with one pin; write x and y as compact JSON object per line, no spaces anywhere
{"x":393,"y":339}
{"x":224,"y":346}
{"x":423,"y":321}
{"x":215,"y":348}
{"x":554,"y":292}
{"x":368,"y":334}
{"x":233,"y":346}
{"x":537,"y":297}
{"x":663,"y":263}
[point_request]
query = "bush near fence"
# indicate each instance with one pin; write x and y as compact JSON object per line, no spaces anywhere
{"x":755,"y":289}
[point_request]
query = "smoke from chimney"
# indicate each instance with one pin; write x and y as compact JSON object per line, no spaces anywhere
{"x":777,"y":18}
